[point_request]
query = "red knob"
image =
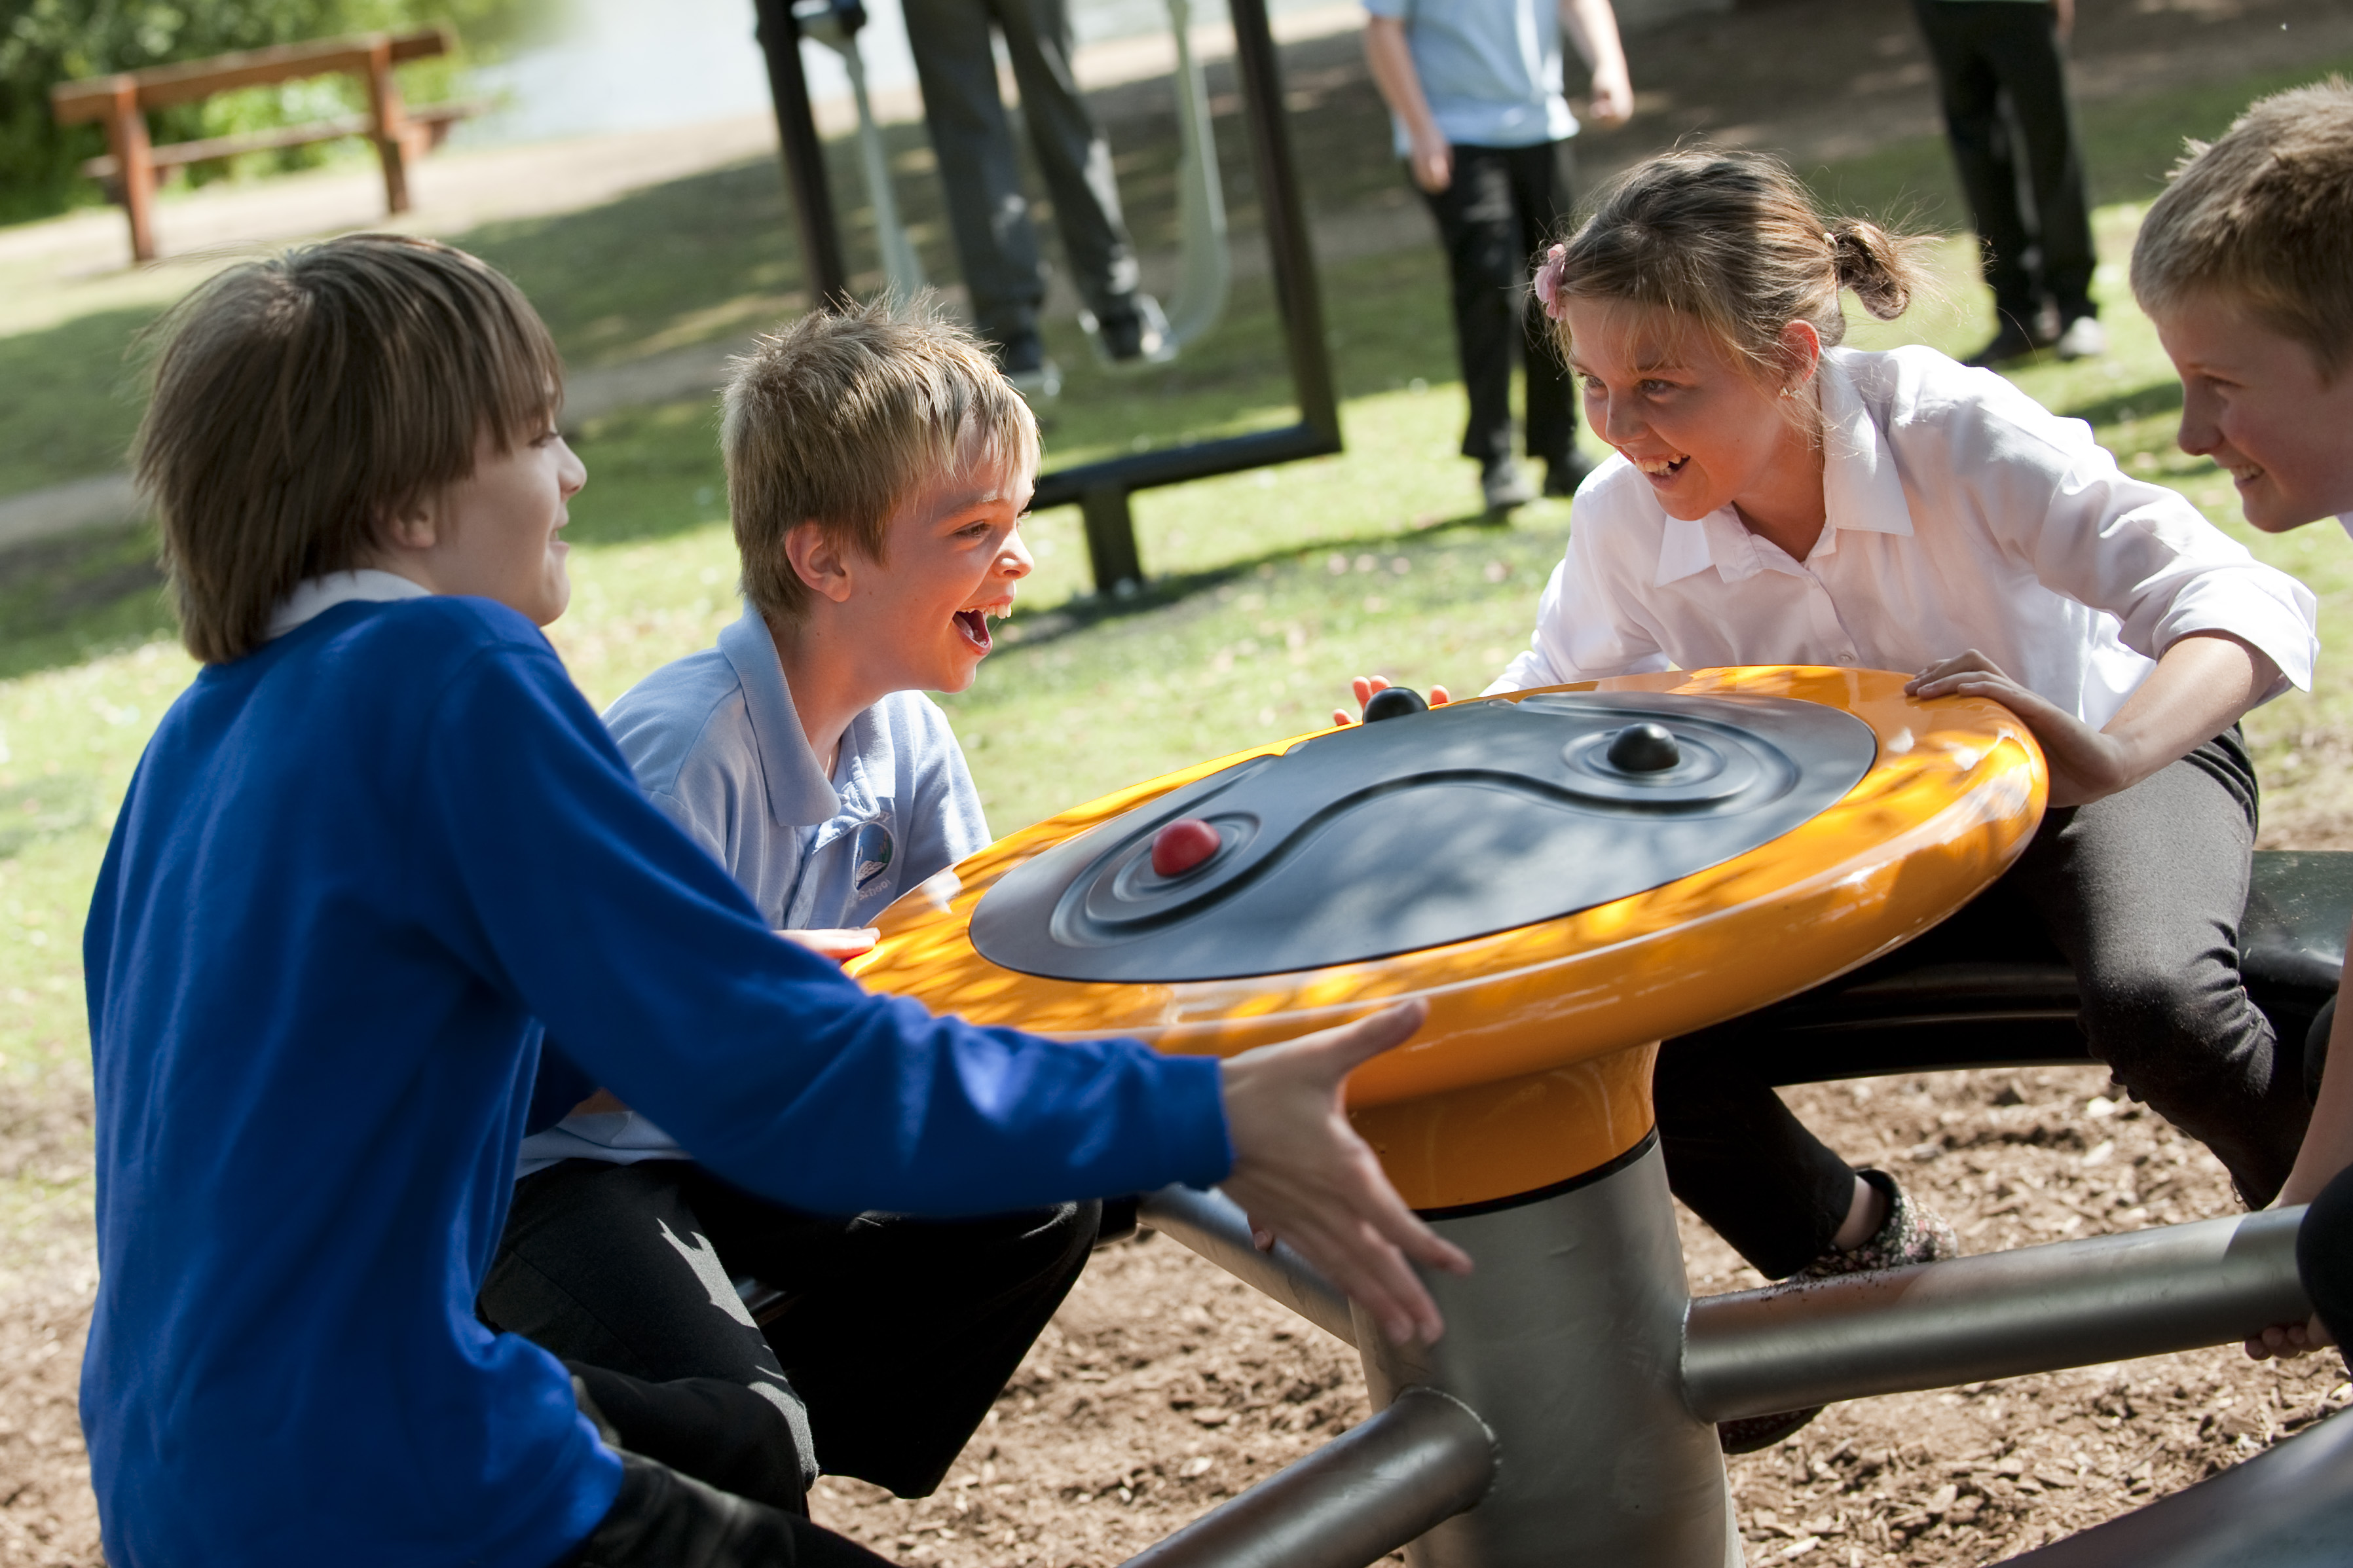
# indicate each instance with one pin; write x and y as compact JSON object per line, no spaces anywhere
{"x":1183,"y":845}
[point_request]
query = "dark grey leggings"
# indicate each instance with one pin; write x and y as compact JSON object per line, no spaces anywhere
{"x":2142,"y":894}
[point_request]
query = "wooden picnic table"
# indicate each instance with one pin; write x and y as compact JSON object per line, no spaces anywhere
{"x":133,"y":165}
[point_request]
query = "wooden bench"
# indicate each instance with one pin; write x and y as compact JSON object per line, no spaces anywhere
{"x":120,"y":103}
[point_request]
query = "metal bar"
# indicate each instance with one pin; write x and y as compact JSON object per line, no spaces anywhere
{"x":1286,"y":224}
{"x":1175,"y":464}
{"x":2071,"y":1304}
{"x":1214,"y":1225}
{"x":1111,"y":539}
{"x":827,"y":272}
{"x":1379,"y":1485}
{"x":2289,"y":1507}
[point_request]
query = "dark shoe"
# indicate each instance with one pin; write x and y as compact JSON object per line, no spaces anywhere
{"x":1561,"y":478}
{"x":2010,"y":343}
{"x":1503,"y":487}
{"x":1139,"y":337}
{"x":1909,"y":1235}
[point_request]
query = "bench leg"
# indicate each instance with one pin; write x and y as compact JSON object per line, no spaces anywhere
{"x":126,"y":136}
{"x":391,"y":129}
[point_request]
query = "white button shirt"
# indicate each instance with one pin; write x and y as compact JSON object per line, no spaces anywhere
{"x":1961,"y":514}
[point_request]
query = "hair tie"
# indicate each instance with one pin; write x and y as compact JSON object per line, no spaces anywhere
{"x":1829,"y":240}
{"x":1549,"y":272}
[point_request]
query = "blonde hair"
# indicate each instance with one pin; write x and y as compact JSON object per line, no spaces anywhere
{"x":834,"y":419}
{"x":2264,"y":214}
{"x":1733,"y":244}
{"x":300,"y":402}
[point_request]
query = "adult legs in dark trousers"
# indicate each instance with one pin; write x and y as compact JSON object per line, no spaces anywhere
{"x":2142,"y":893}
{"x":994,"y":240}
{"x":1986,"y":51}
{"x":896,"y":1336}
{"x":1504,"y":205}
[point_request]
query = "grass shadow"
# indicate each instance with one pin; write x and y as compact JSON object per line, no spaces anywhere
{"x":2146,"y":402}
{"x":67,"y":600}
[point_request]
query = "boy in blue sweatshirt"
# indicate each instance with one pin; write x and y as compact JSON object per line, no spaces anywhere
{"x":376,"y":850}
{"x":879,"y":463}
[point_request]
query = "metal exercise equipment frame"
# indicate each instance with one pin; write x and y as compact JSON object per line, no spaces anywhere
{"x":1568,"y":1414}
{"x":1101,"y":489}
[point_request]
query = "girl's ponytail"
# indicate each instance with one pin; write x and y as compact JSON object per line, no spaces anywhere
{"x":1877,"y":266}
{"x":1734,"y":242}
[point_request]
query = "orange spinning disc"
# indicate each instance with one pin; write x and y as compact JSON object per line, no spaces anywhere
{"x":1567,"y":878}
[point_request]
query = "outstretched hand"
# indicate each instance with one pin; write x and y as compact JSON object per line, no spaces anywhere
{"x":1302,"y":1175}
{"x":1366,"y":685}
{"x":2085,"y":764}
{"x":836,"y":942}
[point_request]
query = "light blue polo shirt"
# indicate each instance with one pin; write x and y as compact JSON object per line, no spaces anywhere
{"x":719,"y":749}
{"x":1490,"y":68}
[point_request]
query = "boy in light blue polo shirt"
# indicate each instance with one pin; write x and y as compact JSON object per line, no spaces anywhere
{"x":878,"y":468}
{"x":1474,"y":90}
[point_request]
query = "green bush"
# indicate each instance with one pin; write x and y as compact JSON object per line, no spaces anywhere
{"x":43,"y":42}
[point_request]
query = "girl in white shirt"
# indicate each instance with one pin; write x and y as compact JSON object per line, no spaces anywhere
{"x":1776,"y":499}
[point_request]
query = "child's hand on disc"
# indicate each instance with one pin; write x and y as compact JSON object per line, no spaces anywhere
{"x":2085,"y":764}
{"x":836,"y":943}
{"x":1302,"y":1175}
{"x":1366,"y":685}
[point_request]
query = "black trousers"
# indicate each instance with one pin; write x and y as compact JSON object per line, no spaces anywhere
{"x":2037,"y":242}
{"x":663,"y":1518}
{"x":1495,"y":220}
{"x":897,"y":1334}
{"x":2141,"y":894}
{"x":989,"y":216}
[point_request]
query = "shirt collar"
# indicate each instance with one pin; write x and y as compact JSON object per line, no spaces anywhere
{"x":799,"y":794}
{"x":313,"y":596}
{"x":1861,"y":490}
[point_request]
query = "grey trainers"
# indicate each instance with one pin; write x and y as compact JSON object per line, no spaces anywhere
{"x":2084,"y":338}
{"x":1910,"y":1234}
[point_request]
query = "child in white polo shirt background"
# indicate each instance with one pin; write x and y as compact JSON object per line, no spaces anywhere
{"x":1475,"y":88}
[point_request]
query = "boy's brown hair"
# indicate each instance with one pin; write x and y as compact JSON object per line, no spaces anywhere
{"x":301,"y":402}
{"x":834,"y":419}
{"x":2265,"y":217}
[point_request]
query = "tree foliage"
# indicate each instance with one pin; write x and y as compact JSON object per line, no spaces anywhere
{"x":43,"y":42}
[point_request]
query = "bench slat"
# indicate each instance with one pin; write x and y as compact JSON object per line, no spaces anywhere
{"x":176,"y":154}
{"x":187,"y":82}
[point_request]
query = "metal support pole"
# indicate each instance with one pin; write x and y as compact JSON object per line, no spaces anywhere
{"x":1566,"y":1340}
{"x":1111,"y":539}
{"x":1360,"y":1497}
{"x":1214,"y":1225}
{"x":2003,"y":1314}
{"x":1286,"y":222}
{"x":827,"y":274}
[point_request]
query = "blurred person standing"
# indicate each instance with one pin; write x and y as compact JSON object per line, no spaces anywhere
{"x":996,"y":244}
{"x":1475,"y":93}
{"x":2003,"y":85}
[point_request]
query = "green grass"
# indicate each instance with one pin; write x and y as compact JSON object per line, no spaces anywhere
{"x":1270,"y":588}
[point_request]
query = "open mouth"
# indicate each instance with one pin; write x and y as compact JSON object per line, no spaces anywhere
{"x":973,"y":624}
{"x":1660,"y":468}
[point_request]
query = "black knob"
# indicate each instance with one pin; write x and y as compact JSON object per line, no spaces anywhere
{"x":1394,"y":702}
{"x":1643,"y":749}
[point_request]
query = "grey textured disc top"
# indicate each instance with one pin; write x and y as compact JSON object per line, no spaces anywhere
{"x":1425,"y":829}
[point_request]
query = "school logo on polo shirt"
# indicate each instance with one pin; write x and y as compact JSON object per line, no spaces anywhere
{"x":870,"y":854}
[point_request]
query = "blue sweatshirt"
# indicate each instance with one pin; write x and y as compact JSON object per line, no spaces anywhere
{"x":356,"y":873}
